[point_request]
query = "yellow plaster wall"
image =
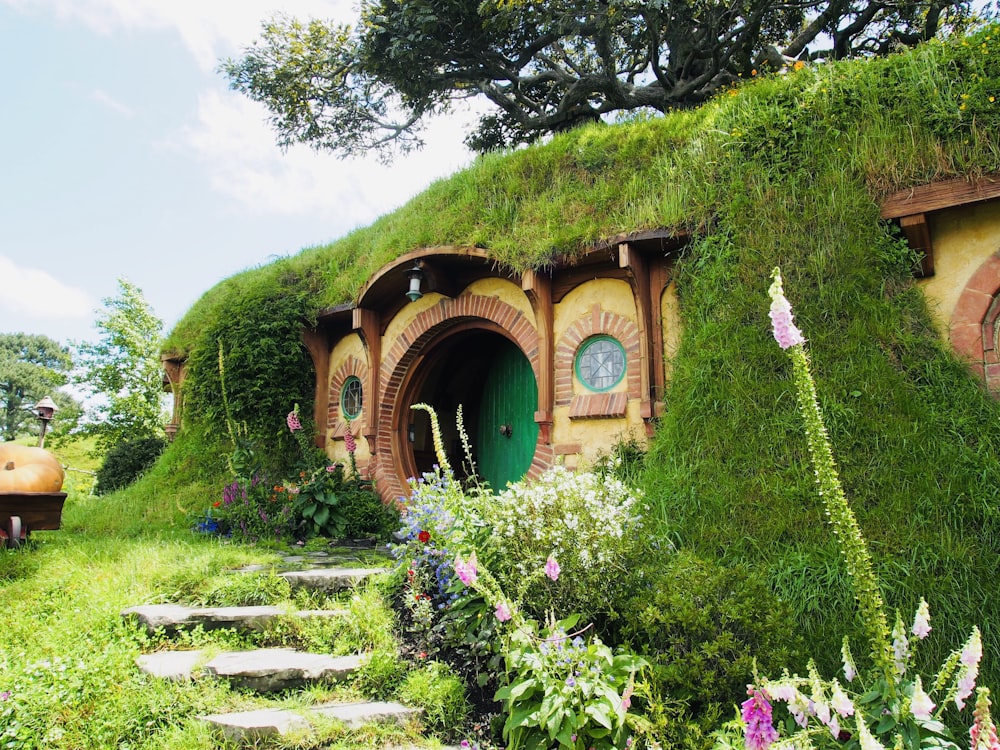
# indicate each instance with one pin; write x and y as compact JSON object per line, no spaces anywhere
{"x":405,"y":316}
{"x":348,"y":347}
{"x":506,"y":290}
{"x":594,"y":435}
{"x":963,"y":238}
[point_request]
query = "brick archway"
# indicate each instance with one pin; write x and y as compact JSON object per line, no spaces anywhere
{"x":975,"y":324}
{"x":430,"y":326}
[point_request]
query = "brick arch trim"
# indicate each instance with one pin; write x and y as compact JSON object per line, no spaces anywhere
{"x":975,"y":323}
{"x":350,"y":366}
{"x":599,"y":322}
{"x":411,"y":342}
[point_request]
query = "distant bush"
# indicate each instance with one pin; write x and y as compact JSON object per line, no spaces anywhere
{"x":701,"y":625}
{"x":126,"y":462}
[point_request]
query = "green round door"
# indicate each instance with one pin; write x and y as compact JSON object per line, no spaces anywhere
{"x":507,"y":431}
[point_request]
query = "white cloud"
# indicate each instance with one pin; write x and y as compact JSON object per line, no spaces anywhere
{"x":210,"y":29}
{"x":107,"y":100}
{"x":32,"y":292}
{"x":236,"y":145}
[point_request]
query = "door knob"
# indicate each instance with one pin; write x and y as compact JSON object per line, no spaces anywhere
{"x":506,"y":430}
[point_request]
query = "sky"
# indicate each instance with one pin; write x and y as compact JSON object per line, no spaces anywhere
{"x":123,"y":153}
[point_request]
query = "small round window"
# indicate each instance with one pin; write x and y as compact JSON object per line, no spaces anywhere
{"x":600,"y":363}
{"x":351,"y":398}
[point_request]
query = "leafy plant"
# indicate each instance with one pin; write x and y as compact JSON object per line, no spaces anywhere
{"x":563,"y":691}
{"x":126,"y":462}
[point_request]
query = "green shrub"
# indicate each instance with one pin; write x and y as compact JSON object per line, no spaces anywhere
{"x":701,"y":625}
{"x":366,"y":515}
{"x":126,"y":462}
{"x":440,"y":693}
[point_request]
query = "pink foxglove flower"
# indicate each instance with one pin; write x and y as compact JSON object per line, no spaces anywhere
{"x":758,"y":730}
{"x":349,"y":443}
{"x":849,"y":669}
{"x":865,"y":737}
{"x":922,"y":621}
{"x":785,"y":332}
{"x":920,"y":704}
{"x":552,"y":568}
{"x":972,"y":652}
{"x":466,"y":570}
{"x":983,"y":733}
{"x":502,"y":611}
{"x":840,"y":702}
{"x":293,"y":421}
{"x":900,"y":647}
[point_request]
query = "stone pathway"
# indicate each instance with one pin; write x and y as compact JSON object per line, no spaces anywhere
{"x":269,"y":670}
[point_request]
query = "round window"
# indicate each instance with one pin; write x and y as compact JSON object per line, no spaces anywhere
{"x":600,"y":363}
{"x":351,"y":398}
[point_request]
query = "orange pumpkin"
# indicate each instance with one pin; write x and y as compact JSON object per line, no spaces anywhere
{"x":27,"y":469}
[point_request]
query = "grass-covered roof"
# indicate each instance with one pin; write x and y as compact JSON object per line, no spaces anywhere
{"x":787,"y":170}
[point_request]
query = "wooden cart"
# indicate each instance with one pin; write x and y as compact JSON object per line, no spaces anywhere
{"x":22,"y":512}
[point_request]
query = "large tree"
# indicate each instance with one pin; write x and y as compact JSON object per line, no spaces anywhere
{"x":31,"y":367}
{"x":122,"y":371}
{"x":544,"y":66}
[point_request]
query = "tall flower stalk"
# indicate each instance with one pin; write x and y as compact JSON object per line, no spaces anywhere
{"x":838,"y":511}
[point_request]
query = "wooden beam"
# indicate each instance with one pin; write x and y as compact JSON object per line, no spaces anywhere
{"x":319,"y":349}
{"x":938,"y":195}
{"x":368,"y":325}
{"x":638,"y":270}
{"x":538,"y":288}
{"x":918,"y":236}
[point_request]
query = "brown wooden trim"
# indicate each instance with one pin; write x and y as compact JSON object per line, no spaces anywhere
{"x":319,"y":350}
{"x":538,"y":288}
{"x":918,"y":236}
{"x":599,"y":405}
{"x":938,"y":195}
{"x":638,"y":271}
{"x":368,"y":325}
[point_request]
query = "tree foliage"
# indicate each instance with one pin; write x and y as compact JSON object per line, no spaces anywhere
{"x":545,"y":67}
{"x":31,"y":367}
{"x":122,"y":370}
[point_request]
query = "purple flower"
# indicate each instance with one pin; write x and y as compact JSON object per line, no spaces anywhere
{"x":503,"y":611}
{"x":759,"y":731}
{"x":5,"y":695}
{"x":571,"y":681}
{"x":552,"y":568}
{"x":466,"y":571}
{"x":785,"y":332}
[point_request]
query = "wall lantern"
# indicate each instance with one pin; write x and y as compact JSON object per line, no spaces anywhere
{"x":416,"y":277}
{"x":45,"y":410}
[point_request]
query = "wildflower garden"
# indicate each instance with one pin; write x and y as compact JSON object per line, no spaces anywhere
{"x":807,"y":554}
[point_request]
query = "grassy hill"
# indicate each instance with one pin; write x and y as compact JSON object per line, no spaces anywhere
{"x":787,"y":170}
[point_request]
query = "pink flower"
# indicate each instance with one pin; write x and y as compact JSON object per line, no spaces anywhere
{"x":785,"y":332}
{"x":921,"y":705}
{"x":503,"y":611}
{"x":759,"y":730}
{"x":349,"y":441}
{"x":552,"y":568}
{"x":922,"y":621}
{"x":293,"y":421}
{"x":466,"y":570}
{"x":983,"y":732}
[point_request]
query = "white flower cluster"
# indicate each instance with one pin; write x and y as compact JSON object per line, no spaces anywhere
{"x":574,"y":516}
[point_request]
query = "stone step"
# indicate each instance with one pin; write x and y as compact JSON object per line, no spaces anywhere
{"x":265,"y":670}
{"x":174,"y":617}
{"x":330,"y":580}
{"x":248,"y":726}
